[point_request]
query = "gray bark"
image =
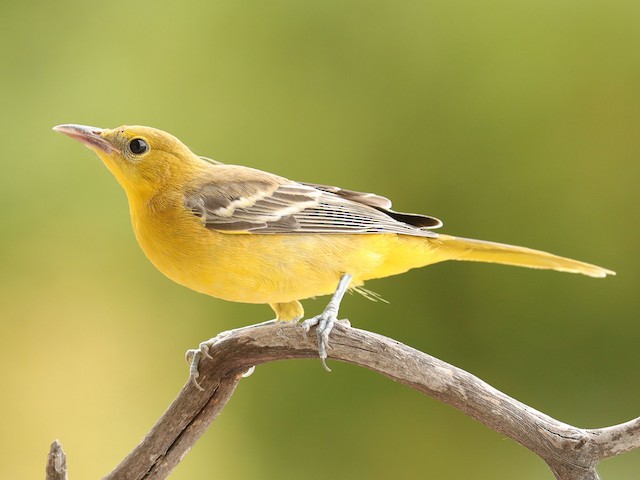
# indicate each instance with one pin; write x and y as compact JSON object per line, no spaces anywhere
{"x":572,"y":453}
{"x":56,"y":462}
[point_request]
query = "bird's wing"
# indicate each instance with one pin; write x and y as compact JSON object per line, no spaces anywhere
{"x":239,"y":199}
{"x":370,"y":199}
{"x":380,"y":203}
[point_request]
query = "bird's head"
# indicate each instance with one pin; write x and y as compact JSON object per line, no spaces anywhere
{"x":143,"y":159}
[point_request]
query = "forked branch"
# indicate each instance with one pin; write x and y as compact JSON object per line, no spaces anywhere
{"x":572,"y":453}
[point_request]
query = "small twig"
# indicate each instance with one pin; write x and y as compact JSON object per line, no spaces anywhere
{"x":56,"y":462}
{"x":571,"y":452}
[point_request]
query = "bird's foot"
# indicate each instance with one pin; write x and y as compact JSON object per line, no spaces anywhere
{"x":326,"y":320}
{"x":324,"y":324}
{"x":195,"y":356}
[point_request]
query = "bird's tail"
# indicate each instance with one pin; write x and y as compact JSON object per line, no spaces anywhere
{"x":456,"y":248}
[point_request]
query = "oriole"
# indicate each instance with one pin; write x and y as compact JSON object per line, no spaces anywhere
{"x":245,"y":235}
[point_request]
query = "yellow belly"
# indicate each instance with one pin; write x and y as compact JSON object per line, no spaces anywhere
{"x":267,"y":268}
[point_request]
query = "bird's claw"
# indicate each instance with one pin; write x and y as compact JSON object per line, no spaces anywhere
{"x":324,"y":324}
{"x":194,"y":357}
{"x":326,"y":320}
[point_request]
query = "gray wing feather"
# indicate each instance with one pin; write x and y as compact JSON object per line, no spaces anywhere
{"x":265,"y":208}
{"x":371,"y":199}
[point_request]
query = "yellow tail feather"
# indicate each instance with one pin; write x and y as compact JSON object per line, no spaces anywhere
{"x":456,"y":248}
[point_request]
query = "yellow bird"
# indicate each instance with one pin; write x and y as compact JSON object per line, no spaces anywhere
{"x":245,"y":235}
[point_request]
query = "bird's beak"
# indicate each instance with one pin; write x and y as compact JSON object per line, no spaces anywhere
{"x":90,"y":136}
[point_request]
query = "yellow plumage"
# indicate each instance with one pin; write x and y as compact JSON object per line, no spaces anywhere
{"x":248,"y":236}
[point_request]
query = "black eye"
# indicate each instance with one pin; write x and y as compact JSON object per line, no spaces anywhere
{"x":138,"y":146}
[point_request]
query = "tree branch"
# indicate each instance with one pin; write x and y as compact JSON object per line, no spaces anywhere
{"x":572,"y":453}
{"x":56,"y":462}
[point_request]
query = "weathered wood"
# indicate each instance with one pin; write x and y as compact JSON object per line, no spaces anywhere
{"x":56,"y":462}
{"x":571,"y":452}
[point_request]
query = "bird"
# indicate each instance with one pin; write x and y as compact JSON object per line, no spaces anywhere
{"x":246,"y":235}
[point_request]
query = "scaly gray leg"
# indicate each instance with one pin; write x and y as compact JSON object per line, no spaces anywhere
{"x":327,"y":319}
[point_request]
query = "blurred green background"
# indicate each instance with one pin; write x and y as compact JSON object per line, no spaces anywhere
{"x":511,"y":121}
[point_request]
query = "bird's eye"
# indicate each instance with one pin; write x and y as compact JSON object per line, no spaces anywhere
{"x":138,"y":146}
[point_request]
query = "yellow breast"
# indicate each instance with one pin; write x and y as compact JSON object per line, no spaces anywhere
{"x":254,"y":268}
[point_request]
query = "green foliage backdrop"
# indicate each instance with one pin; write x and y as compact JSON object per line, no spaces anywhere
{"x":511,"y":121}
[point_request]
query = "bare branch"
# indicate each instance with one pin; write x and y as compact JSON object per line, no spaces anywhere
{"x":56,"y":462}
{"x":617,"y":439}
{"x":572,"y":453}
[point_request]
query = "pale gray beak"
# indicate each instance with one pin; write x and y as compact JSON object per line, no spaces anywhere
{"x":90,"y":136}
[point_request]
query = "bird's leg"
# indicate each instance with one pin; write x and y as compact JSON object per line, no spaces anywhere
{"x":194,"y":357}
{"x":327,"y":319}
